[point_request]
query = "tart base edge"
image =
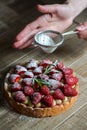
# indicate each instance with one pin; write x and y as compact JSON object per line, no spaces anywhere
{"x":38,"y":112}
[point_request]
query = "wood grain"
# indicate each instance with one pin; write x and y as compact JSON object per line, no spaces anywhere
{"x":14,"y":15}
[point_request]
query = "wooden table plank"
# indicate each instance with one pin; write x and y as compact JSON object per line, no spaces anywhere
{"x":73,"y":52}
{"x":12,"y":120}
{"x":76,"y":122}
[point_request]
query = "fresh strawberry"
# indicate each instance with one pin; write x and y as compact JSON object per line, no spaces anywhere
{"x":27,"y":81}
{"x":38,"y":70}
{"x":58,"y":94}
{"x":36,"y":98}
{"x":69,"y":91}
{"x":28,"y":74}
{"x":57,"y":76}
{"x":32,"y":64}
{"x":36,"y":86}
{"x":19,"y":96}
{"x":71,"y":80}
{"x":28,"y":90}
{"x":67,"y":71}
{"x":45,"y":90}
{"x":20,"y":69}
{"x":16,"y":87}
{"x":14,"y":78}
{"x":60,"y":65}
{"x":45,"y":62}
{"x":54,"y":84}
{"x":53,"y":71}
{"x":48,"y":100}
{"x":43,"y":76}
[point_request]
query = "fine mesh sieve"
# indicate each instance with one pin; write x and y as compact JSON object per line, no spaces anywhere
{"x":49,"y":40}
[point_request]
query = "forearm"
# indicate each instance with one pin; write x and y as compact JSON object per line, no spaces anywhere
{"x":77,"y":6}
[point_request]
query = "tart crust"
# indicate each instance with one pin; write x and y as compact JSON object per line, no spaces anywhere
{"x":38,"y":112}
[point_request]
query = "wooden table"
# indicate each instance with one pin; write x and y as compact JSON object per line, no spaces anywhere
{"x":73,"y":52}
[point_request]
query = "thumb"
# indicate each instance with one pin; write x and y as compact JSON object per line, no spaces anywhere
{"x":47,"y":8}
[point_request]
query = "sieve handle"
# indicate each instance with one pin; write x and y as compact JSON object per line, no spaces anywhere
{"x":69,"y":33}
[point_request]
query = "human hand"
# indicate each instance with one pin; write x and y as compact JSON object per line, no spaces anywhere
{"x":82,"y":30}
{"x":55,"y":17}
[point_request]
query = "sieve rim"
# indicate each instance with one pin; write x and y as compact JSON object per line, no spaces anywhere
{"x":49,"y":31}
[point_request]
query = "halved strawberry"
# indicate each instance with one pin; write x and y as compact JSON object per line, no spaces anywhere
{"x":48,"y":100}
{"x":38,"y":70}
{"x":45,"y":62}
{"x":43,"y":76}
{"x":53,"y":71}
{"x":28,"y":90}
{"x":58,"y":94}
{"x":20,"y":69}
{"x":69,"y":91}
{"x":19,"y":96}
{"x":27,"y":81}
{"x":14,"y":78}
{"x":54,"y":84}
{"x":32,"y":64}
{"x":16,"y":87}
{"x":57,"y":76}
{"x":71,"y":80}
{"x":28,"y":74}
{"x":44,"y":90}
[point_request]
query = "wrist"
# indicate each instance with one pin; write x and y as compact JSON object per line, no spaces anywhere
{"x":76,"y":7}
{"x":73,"y":11}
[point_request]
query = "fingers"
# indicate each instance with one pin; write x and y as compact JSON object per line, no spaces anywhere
{"x":25,"y":41}
{"x":27,"y":30}
{"x":30,"y":30}
{"x":27,"y":44}
{"x":82,"y":26}
{"x":39,"y":22}
{"x":82,"y":30}
{"x":47,"y":8}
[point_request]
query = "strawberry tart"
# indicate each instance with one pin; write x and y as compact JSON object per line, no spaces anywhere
{"x":41,"y":88}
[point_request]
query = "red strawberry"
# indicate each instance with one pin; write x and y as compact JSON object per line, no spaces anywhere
{"x":19,"y":96}
{"x":53,"y":71}
{"x":58,"y":94}
{"x":28,"y":74}
{"x":36,"y":85}
{"x":46,"y":62}
{"x":69,"y":91}
{"x":36,"y":98}
{"x":28,"y":90}
{"x":14,"y":78}
{"x":60,"y":65}
{"x":67,"y":71}
{"x":45,"y":90}
{"x":32,"y":64}
{"x":57,"y":76}
{"x":54,"y":84}
{"x":16,"y":87}
{"x":38,"y":70}
{"x":27,"y":81}
{"x":71,"y":80}
{"x":48,"y":100}
{"x":20,"y":69}
{"x":43,"y":76}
